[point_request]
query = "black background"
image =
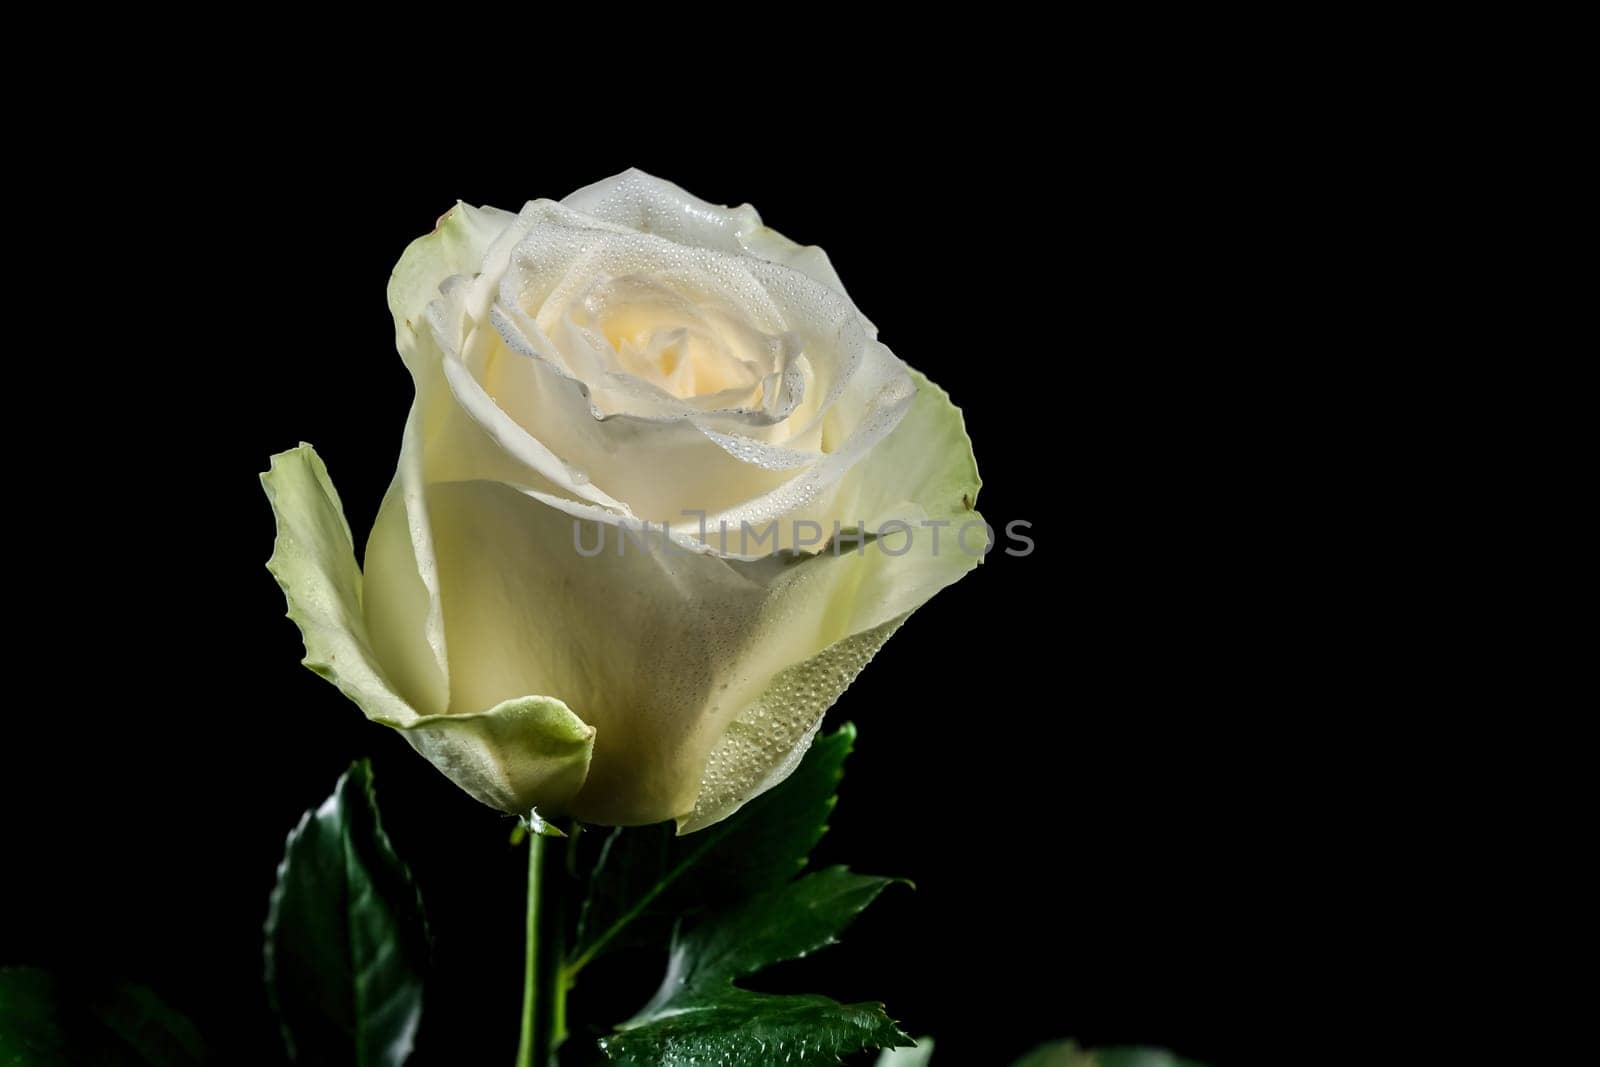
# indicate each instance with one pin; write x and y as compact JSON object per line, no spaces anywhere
{"x":1071,"y":754}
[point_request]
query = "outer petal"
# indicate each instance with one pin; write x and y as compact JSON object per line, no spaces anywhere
{"x":466,"y":432}
{"x":638,"y":640}
{"x":705,"y":677}
{"x":647,"y":204}
{"x":457,"y":245}
{"x":644,"y":202}
{"x":313,"y":562}
{"x":926,"y":465}
{"x":524,"y":752}
{"x":405,"y":620}
{"x":924,"y":470}
{"x":433,"y":293}
{"x":402,"y":607}
{"x":878,"y":396}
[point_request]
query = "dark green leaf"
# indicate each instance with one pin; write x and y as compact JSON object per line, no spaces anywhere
{"x":783,"y":925}
{"x":47,"y":1019}
{"x":646,"y":878}
{"x":1068,"y":1054}
{"x":699,"y":1015}
{"x":740,"y":1027}
{"x":346,"y":942}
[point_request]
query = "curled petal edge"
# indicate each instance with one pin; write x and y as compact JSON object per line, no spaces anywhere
{"x":526,"y":752}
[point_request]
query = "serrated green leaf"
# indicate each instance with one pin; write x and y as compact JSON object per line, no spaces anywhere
{"x":346,"y":942}
{"x":646,"y":879}
{"x":48,"y":1019}
{"x":699,"y":1015}
{"x":785,"y":924}
{"x":740,"y":1027}
{"x":1068,"y":1054}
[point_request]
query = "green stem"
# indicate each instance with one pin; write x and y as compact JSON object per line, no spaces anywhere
{"x":544,"y":986}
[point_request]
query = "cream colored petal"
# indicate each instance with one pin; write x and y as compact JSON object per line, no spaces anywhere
{"x":456,"y":246}
{"x":842,"y":391}
{"x":704,"y":677}
{"x":538,"y":462}
{"x":636,"y":640}
{"x":648,"y":204}
{"x":652,"y":205}
{"x":809,"y":260}
{"x":403,"y":611}
{"x":849,"y":604}
{"x":707,"y":677}
{"x":925,"y":466}
{"x":647,"y":468}
{"x":520,"y":753}
{"x":439,"y":295}
{"x":404,"y":617}
{"x":879,"y":395}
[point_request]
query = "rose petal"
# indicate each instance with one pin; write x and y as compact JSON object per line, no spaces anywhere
{"x":850,"y":604}
{"x":644,"y":202}
{"x":524,"y":752}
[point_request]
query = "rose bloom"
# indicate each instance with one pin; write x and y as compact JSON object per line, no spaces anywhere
{"x":586,"y":372}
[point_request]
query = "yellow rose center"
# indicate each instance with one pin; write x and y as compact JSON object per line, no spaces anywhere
{"x":686,"y":349}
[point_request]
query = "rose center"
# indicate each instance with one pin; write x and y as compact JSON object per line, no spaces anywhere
{"x":686,"y":349}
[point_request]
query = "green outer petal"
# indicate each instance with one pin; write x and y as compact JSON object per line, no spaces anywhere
{"x":315,"y":565}
{"x":456,"y":246}
{"x":923,"y":470}
{"x":530,"y":746}
{"x":526,"y":752}
{"x":926,"y":463}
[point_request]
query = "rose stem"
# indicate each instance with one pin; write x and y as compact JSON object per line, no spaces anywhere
{"x":544,"y":987}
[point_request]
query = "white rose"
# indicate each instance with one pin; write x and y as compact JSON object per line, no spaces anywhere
{"x":584,"y":368}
